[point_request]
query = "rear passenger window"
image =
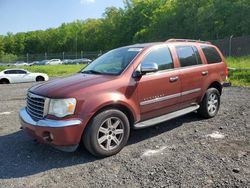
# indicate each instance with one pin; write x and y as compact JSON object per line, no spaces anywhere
{"x":211,"y":54}
{"x":161,"y":56}
{"x":188,"y":55}
{"x":10,"y":72}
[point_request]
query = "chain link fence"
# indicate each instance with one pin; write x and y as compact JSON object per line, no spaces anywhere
{"x":234,"y":46}
{"x":231,"y":46}
{"x":29,"y":58}
{"x":62,"y":56}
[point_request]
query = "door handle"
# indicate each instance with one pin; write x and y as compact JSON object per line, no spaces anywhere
{"x":173,"y":79}
{"x":204,"y":73}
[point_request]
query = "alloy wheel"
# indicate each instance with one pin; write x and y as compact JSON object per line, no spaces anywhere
{"x":212,"y":103}
{"x":110,"y":133}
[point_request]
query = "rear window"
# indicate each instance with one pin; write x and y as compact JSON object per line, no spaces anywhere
{"x":188,"y":55}
{"x":211,"y":54}
{"x":10,"y":72}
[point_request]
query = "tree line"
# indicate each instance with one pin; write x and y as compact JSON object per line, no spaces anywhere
{"x":139,"y":21}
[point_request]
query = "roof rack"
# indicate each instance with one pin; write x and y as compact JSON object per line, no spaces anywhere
{"x":187,"y":40}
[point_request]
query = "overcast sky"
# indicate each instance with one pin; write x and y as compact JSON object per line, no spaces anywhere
{"x":28,"y":15}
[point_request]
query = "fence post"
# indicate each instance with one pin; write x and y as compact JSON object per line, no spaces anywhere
{"x":230,"y":45}
{"x":76,"y":45}
{"x":100,"y":53}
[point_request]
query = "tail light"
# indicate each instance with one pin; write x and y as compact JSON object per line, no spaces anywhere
{"x":226,"y":71}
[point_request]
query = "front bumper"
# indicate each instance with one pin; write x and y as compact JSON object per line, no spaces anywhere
{"x":62,"y":134}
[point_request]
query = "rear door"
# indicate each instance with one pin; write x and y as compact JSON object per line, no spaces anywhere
{"x":159,"y":92}
{"x":216,"y":66}
{"x":193,"y":74}
{"x":12,"y":74}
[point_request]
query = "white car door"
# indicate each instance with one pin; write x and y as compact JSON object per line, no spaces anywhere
{"x":25,"y":76}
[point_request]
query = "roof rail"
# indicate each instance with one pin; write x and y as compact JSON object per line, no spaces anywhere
{"x":187,"y":40}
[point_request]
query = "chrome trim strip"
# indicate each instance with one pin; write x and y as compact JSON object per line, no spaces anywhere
{"x":34,"y":101}
{"x":46,"y":107}
{"x":26,"y":119}
{"x":33,"y":115}
{"x":190,"y":91}
{"x":33,"y":108}
{"x":160,"y":99}
{"x":35,"y":105}
{"x":35,"y":96}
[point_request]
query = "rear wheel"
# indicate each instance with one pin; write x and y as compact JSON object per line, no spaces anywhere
{"x":107,"y":133}
{"x":39,"y":79}
{"x":4,"y":81}
{"x":210,"y":104}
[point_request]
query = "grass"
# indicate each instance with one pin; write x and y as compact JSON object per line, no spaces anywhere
{"x":238,"y":62}
{"x":52,"y":71}
{"x":239,"y":77}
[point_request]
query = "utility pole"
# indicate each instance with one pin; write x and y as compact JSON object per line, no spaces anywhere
{"x":27,"y":57}
{"x":63,"y":55}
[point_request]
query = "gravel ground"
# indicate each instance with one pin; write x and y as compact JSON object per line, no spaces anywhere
{"x":185,"y":152}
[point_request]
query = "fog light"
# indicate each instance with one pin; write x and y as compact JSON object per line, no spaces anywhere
{"x":48,"y":136}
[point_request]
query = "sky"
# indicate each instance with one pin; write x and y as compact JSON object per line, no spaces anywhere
{"x":29,"y":15}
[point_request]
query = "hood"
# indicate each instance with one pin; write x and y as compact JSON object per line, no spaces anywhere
{"x":64,"y":87}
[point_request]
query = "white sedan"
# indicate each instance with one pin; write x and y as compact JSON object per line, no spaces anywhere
{"x":54,"y":62}
{"x":20,"y":75}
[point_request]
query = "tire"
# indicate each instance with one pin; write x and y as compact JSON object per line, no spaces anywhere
{"x":210,"y":103}
{"x":4,"y":81}
{"x":107,"y":133}
{"x":39,"y":79}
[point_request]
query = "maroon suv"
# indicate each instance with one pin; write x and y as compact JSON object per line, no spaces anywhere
{"x":135,"y":87}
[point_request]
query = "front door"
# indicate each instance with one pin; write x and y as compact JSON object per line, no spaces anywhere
{"x":159,"y":92}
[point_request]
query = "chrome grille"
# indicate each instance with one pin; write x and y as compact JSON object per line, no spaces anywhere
{"x":35,"y":106}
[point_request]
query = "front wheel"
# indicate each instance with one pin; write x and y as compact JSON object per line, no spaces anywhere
{"x":210,"y":104}
{"x":40,"y":79}
{"x":107,"y":133}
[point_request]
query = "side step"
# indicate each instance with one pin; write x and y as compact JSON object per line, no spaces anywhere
{"x":165,"y":117}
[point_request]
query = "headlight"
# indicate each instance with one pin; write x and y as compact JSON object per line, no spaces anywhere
{"x":62,"y":107}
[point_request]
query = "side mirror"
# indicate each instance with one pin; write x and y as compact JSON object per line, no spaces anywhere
{"x":149,"y":67}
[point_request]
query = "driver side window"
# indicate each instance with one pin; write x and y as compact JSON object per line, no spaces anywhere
{"x":161,"y":56}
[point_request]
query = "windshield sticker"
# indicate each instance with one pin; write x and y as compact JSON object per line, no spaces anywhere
{"x":134,"y":49}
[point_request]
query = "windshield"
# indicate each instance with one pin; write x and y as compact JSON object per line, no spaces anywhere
{"x":113,"y":62}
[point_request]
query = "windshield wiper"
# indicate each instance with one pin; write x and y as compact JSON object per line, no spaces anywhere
{"x":91,"y":72}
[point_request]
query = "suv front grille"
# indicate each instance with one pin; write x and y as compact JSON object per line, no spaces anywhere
{"x":35,"y":106}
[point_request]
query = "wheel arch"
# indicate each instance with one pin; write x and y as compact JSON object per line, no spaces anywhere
{"x":118,"y":106}
{"x":8,"y":80}
{"x":216,"y":85}
{"x":39,"y":76}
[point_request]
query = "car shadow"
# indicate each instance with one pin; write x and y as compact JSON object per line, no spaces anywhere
{"x":146,"y":133}
{"x":21,"y":157}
